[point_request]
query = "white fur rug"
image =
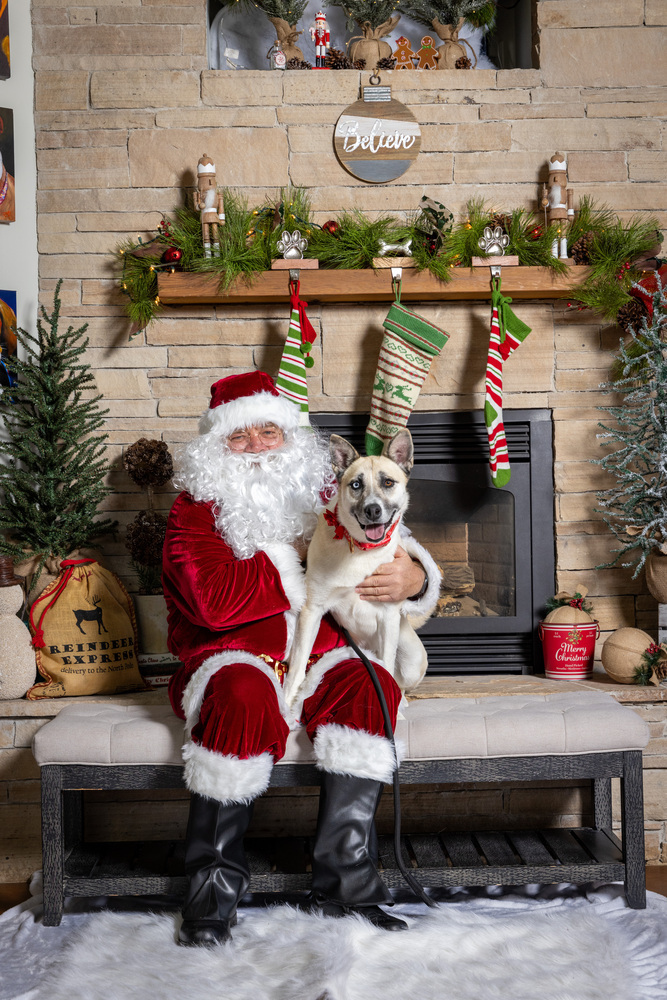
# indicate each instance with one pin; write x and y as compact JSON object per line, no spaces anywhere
{"x":553,"y":944}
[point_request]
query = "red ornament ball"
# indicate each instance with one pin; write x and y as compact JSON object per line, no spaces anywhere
{"x":331,"y":227}
{"x":536,"y":232}
{"x":172,"y":255}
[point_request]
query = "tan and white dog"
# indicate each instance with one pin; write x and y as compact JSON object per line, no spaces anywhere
{"x":358,"y":533}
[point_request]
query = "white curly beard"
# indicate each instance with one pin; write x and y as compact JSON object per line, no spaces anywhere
{"x":274,"y":496}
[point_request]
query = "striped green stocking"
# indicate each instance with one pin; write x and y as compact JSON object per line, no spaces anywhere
{"x":291,"y":378}
{"x":507,"y":332}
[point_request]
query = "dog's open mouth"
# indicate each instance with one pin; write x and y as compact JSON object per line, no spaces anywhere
{"x":375,"y":532}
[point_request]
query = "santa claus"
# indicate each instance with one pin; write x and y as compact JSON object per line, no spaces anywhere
{"x":253,"y":482}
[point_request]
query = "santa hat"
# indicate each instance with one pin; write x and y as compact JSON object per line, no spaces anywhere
{"x":245,"y":401}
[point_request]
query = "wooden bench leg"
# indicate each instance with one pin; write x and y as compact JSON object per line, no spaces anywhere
{"x":632,"y":819}
{"x":53,"y":844}
{"x":602,"y":803}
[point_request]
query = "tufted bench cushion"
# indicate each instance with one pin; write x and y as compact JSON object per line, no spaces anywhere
{"x":432,"y":729}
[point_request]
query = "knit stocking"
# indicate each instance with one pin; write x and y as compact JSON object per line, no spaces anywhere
{"x":408,"y":348}
{"x":507,"y":332}
{"x":291,"y":378}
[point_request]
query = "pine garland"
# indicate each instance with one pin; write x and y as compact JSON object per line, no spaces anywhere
{"x":529,"y":239}
{"x":54,"y":478}
{"x":357,"y":240}
{"x":249,"y":237}
{"x":613,"y":248}
{"x":635,"y":509}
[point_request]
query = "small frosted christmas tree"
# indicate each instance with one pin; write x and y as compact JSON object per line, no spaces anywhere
{"x":52,"y":481}
{"x":479,"y":15}
{"x":636,"y":508}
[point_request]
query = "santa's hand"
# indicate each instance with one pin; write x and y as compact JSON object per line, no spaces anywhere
{"x":394,"y":581}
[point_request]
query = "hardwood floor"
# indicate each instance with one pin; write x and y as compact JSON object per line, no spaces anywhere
{"x":12,"y":893}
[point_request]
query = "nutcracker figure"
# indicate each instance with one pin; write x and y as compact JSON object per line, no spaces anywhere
{"x":209,"y":204}
{"x":557,"y":200}
{"x":319,"y":32}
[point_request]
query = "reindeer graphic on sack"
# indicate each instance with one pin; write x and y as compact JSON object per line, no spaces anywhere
{"x":84,"y":634}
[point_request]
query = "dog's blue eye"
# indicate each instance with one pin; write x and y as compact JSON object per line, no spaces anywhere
{"x":355,"y":485}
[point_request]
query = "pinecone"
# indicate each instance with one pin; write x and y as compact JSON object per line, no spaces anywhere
{"x":298,"y":64}
{"x":337,"y":59}
{"x":502,"y":220}
{"x":145,"y":537}
{"x":387,"y":62}
{"x":148,"y":463}
{"x":463,"y":63}
{"x":630,"y":315}
{"x":581,"y":248}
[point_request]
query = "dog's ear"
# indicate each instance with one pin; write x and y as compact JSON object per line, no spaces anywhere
{"x":342,"y":454}
{"x":401,"y":451}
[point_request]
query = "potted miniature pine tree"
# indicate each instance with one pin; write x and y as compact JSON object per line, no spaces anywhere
{"x":54,"y":477}
{"x":635,"y":509}
{"x":376,"y":19}
{"x":149,"y":465}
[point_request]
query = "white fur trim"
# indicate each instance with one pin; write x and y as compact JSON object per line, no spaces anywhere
{"x":225,"y":777}
{"x":425,"y":605}
{"x":248,"y":411}
{"x":193,"y":695}
{"x":341,"y":750}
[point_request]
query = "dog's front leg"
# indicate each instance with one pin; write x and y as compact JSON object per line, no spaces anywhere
{"x":388,"y":631}
{"x":304,"y":637}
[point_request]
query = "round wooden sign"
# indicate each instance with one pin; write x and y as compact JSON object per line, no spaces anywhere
{"x":377,"y":138}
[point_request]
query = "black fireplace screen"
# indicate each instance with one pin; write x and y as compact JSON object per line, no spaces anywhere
{"x":495,"y":547}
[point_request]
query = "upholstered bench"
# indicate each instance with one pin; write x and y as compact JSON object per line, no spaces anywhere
{"x":573,"y":735}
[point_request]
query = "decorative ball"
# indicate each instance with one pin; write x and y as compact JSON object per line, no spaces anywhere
{"x":331,"y":227}
{"x":568,"y":616}
{"x":536,"y":232}
{"x":172,"y":255}
{"x":622,"y":653}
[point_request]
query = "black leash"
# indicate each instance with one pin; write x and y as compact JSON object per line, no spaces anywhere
{"x":389,"y":733}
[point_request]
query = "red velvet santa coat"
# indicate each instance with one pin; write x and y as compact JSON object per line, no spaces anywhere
{"x":217,"y":602}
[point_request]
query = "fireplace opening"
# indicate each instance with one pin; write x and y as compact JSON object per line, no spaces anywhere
{"x":495,"y":547}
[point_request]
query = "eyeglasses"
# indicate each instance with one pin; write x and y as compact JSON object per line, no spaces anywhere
{"x":268,"y":436}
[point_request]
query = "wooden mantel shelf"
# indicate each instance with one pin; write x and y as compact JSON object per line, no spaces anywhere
{"x":368,"y":286}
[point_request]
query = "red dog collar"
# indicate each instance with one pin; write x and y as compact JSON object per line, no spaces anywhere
{"x":331,"y":517}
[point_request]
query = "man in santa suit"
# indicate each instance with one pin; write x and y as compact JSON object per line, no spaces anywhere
{"x":253,"y":482}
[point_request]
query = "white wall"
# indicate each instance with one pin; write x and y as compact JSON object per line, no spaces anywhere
{"x":18,"y":240}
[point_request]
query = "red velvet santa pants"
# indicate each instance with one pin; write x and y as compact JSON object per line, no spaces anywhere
{"x":241,"y":729}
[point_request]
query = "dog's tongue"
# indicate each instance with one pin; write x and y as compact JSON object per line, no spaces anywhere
{"x":374,"y":532}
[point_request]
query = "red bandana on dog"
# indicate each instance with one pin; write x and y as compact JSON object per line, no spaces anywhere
{"x":331,"y":517}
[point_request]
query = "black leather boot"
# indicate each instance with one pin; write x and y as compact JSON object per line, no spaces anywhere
{"x":217,"y":870}
{"x":345,"y":879}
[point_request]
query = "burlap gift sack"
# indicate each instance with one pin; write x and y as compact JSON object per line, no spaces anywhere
{"x":84,"y":634}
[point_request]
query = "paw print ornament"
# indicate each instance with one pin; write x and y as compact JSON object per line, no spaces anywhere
{"x":292,"y":245}
{"x":494,"y":242}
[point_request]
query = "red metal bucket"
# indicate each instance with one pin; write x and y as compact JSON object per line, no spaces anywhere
{"x":569,"y":650}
